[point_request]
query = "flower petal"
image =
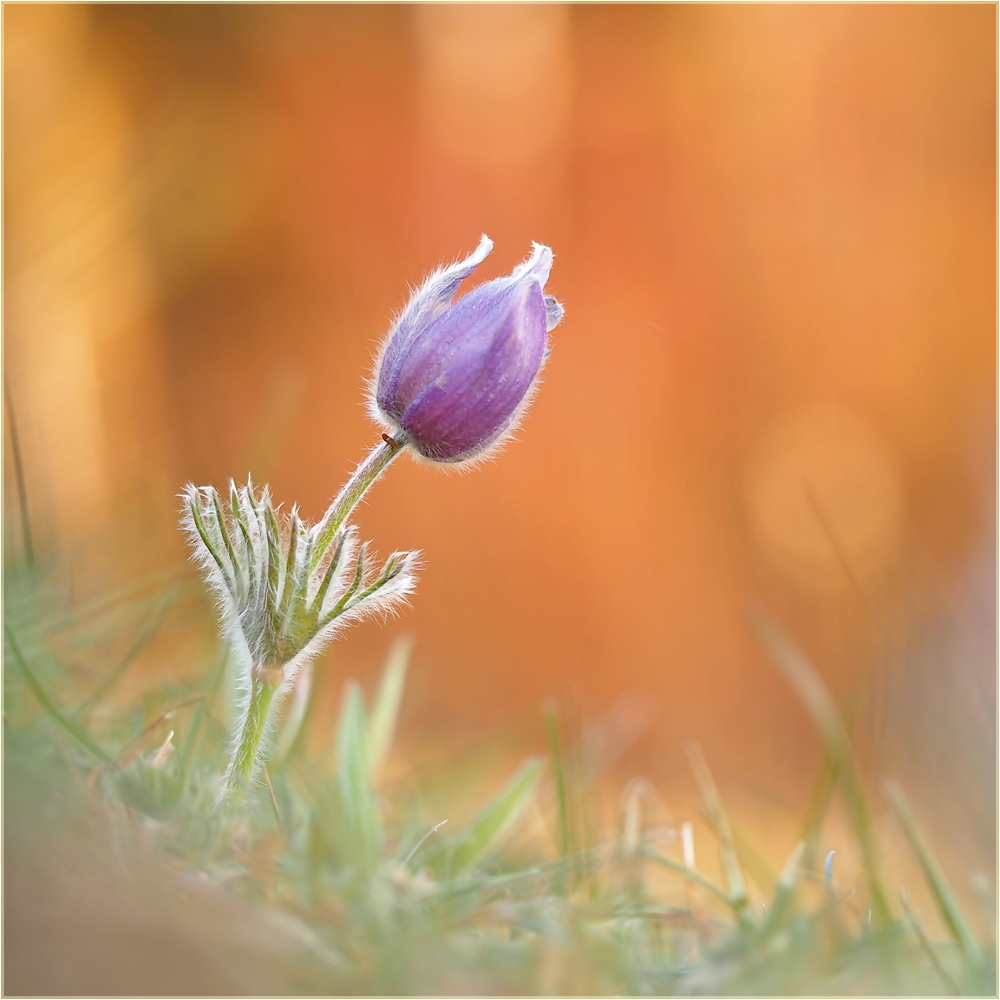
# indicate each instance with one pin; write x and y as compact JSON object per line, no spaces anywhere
{"x":427,"y":303}
{"x":474,"y":400}
{"x":553,"y":313}
{"x":536,"y":266}
{"x":464,"y":333}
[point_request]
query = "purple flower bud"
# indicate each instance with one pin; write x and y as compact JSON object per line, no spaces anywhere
{"x":453,"y":378}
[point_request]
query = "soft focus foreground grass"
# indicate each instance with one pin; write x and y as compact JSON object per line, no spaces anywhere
{"x":123,"y":876}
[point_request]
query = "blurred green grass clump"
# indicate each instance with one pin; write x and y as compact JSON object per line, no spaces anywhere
{"x":128,"y":875}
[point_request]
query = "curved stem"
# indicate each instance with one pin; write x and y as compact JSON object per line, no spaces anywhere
{"x":354,"y":489}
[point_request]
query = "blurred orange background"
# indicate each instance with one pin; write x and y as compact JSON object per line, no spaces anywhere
{"x":775,"y":238}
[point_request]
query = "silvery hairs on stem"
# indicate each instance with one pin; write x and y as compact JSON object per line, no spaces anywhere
{"x":452,"y":380}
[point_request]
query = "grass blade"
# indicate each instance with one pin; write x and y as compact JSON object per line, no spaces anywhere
{"x":810,"y":688}
{"x":143,"y":640}
{"x":693,"y":876}
{"x":385,"y":711}
{"x":784,"y":890}
{"x":558,"y":772}
{"x":22,"y":490}
{"x":118,"y":601}
{"x":950,"y":910}
{"x":927,"y":947}
{"x":46,"y":702}
{"x":411,"y":853}
{"x":710,"y":793}
{"x":363,"y":825}
{"x":486,"y":831}
{"x":819,"y":805}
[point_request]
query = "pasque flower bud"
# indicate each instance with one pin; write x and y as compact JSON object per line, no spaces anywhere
{"x":453,"y":378}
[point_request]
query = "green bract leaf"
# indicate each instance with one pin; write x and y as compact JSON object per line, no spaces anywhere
{"x":282,"y":586}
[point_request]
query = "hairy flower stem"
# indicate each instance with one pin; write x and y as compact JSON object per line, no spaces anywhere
{"x":263,"y":684}
{"x":358,"y":485}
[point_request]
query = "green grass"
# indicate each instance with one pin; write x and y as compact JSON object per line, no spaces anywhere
{"x":372,"y":894}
